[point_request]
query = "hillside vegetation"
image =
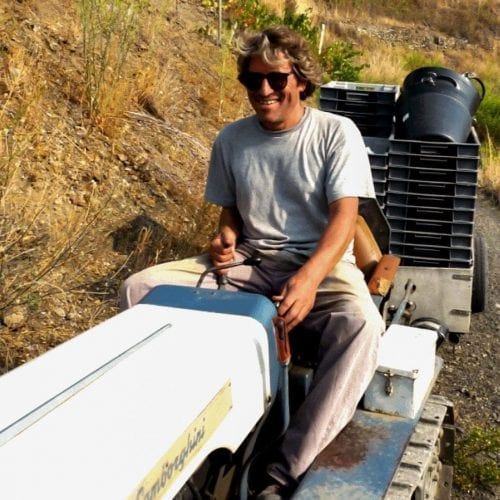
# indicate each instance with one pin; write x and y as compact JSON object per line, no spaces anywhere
{"x":104,"y":148}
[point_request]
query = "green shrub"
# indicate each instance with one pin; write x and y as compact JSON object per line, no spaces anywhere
{"x":414,"y":60}
{"x":475,"y":464}
{"x":251,"y":14}
{"x":338,"y":60}
{"x":488,"y":116}
{"x":302,"y":23}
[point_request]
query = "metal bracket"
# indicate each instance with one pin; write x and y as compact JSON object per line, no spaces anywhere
{"x":389,"y":388}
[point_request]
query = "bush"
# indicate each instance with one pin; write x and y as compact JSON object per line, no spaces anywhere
{"x":475,"y":464}
{"x":488,"y":116}
{"x":415,"y":60}
{"x":338,"y":62}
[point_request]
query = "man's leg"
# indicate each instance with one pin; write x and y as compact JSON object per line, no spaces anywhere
{"x":349,"y":327}
{"x":187,"y":272}
{"x":181,"y":272}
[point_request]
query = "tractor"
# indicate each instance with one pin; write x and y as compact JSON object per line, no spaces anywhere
{"x":184,"y":394}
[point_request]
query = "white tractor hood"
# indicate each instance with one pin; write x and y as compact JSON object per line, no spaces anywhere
{"x":130,"y":408}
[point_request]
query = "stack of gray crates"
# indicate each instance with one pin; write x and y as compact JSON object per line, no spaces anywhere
{"x":430,"y":201}
{"x":378,"y":154}
{"x":427,"y":190}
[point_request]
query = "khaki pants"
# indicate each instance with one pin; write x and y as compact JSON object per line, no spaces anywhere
{"x":344,"y":319}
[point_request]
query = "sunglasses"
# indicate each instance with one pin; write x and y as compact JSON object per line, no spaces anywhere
{"x":253,"y":81}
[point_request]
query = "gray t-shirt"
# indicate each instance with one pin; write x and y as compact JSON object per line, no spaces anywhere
{"x":282,"y":182}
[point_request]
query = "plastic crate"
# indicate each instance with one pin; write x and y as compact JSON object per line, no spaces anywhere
{"x":369,"y":124}
{"x":379,"y":187}
{"x":469,"y":149}
{"x":429,"y":214}
{"x":431,"y":226}
{"x":433,"y":188}
{"x":355,"y":106}
{"x":380,"y":200}
{"x":433,"y":262}
{"x":357,"y":91}
{"x":431,"y":239}
{"x":432,"y":252}
{"x":433,"y":175}
{"x":377,"y":160}
{"x":435,"y":162}
{"x":379,"y":174}
{"x":369,"y":119}
{"x":376,"y":146}
{"x":419,"y":200}
{"x":375,"y":130}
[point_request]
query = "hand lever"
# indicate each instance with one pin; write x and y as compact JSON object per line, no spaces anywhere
{"x":250,"y":261}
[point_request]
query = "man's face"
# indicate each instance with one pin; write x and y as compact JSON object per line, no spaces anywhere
{"x":276,"y":109}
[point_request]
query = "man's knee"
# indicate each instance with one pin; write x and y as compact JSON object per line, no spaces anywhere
{"x":132,"y":290}
{"x":184,"y":272}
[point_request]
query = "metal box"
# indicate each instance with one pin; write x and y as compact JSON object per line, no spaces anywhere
{"x":406,"y":364}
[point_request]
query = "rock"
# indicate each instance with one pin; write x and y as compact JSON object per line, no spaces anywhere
{"x":15,"y":317}
{"x":60,"y":312}
{"x":78,"y":199}
{"x":74,"y":316}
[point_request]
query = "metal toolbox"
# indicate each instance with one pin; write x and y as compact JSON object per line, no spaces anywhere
{"x":406,"y":363}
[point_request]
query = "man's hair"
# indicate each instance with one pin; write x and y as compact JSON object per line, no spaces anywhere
{"x":272,"y":44}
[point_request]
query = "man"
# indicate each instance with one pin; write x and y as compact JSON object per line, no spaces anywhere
{"x":288,"y":180}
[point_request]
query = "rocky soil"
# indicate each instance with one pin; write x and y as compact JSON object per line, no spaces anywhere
{"x":470,"y":374}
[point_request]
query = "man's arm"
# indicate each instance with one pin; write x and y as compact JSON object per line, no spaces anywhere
{"x":299,"y":293}
{"x":222,"y":247}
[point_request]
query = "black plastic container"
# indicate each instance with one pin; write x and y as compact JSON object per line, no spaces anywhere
{"x":437,"y":104}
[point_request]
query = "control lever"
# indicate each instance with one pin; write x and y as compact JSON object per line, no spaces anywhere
{"x":250,"y":261}
{"x":404,"y":304}
{"x":284,"y":358}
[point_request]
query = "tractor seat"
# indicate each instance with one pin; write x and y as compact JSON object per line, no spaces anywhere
{"x":371,"y":249}
{"x":379,"y":269}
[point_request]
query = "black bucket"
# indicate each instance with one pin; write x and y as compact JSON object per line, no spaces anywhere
{"x":437,"y":104}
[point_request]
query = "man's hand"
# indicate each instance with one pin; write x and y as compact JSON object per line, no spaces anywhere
{"x":222,"y":248}
{"x":297,"y":298}
{"x":299,"y":293}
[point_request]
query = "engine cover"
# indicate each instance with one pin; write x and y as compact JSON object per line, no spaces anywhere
{"x":131,"y":408}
